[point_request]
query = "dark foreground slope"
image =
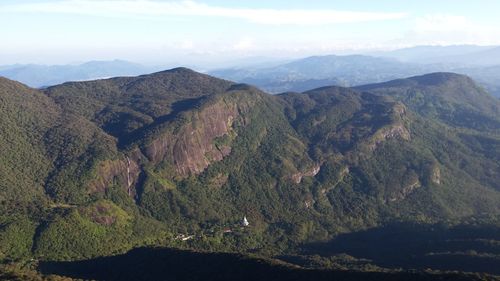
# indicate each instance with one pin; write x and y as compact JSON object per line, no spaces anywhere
{"x":169,"y":264}
{"x":99,"y":167}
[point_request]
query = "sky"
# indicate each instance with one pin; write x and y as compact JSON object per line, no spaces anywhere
{"x":209,"y":31}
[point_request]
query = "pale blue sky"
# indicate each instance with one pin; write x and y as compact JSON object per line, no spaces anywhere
{"x":177,"y":31}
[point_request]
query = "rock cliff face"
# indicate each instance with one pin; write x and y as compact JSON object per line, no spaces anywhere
{"x":199,"y":137}
{"x":124,"y":172}
{"x":191,"y":147}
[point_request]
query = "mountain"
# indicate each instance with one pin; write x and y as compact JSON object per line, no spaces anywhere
{"x":452,"y":98}
{"x":312,"y":72}
{"x":487,"y":76}
{"x":354,"y":70}
{"x":178,"y":159}
{"x":479,"y":62}
{"x":488,"y":57}
{"x":45,"y":75}
{"x":434,"y":54}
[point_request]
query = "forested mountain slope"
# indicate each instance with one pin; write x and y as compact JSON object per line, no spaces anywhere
{"x":98,"y":167}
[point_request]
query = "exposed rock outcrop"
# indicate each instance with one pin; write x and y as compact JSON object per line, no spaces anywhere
{"x":190,"y":148}
{"x":124,"y":172}
{"x":435,"y":174}
{"x":297,"y":177}
{"x":396,"y":130}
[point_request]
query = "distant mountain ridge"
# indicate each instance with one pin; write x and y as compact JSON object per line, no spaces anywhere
{"x":354,"y":70}
{"x":458,"y":54}
{"x":304,"y":74}
{"x":321,"y":71}
{"x":46,"y":75}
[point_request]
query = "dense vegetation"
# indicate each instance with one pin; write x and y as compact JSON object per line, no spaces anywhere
{"x":177,"y":159}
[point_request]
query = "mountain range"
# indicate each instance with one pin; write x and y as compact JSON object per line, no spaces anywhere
{"x":313,"y":72}
{"x":302,"y":74}
{"x":457,"y":54}
{"x":36,"y":75}
{"x":352,"y":70}
{"x":178,"y":158}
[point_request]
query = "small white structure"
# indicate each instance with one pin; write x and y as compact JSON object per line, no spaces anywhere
{"x":245,"y":221}
{"x":189,"y":237}
{"x":184,"y":237}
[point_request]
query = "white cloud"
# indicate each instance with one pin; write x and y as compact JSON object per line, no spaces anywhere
{"x":244,"y":44}
{"x":149,"y":8}
{"x":445,"y":29}
{"x":186,"y":45}
{"x":441,"y":23}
